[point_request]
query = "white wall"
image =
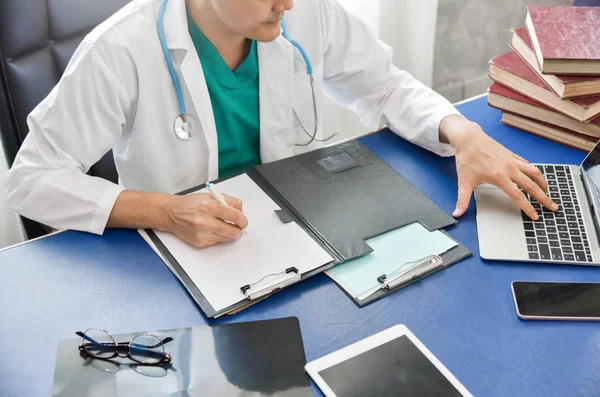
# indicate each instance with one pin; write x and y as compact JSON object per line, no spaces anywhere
{"x":408,"y":26}
{"x":11,"y":230}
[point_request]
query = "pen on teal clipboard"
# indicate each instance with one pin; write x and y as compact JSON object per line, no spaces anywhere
{"x":218,"y":196}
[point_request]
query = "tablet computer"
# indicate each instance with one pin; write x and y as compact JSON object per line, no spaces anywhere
{"x":391,"y":363}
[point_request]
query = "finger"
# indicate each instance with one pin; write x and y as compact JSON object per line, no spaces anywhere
{"x":232,"y":215}
{"x":233,"y":202}
{"x":465,"y":191}
{"x":203,"y":240}
{"x":525,"y":182}
{"x":534,"y":173}
{"x":224,"y":231}
{"x":520,"y":158}
{"x":509,"y":187}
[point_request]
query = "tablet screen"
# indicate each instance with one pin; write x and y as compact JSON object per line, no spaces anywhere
{"x":396,"y":368}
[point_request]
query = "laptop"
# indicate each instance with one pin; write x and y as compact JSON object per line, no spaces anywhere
{"x":568,"y":236}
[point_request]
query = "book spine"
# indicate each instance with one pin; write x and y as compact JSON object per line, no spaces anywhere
{"x":564,"y":137}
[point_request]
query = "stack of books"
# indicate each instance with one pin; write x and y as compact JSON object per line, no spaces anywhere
{"x":549,"y":83}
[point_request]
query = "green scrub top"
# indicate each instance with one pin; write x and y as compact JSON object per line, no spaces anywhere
{"x":235,"y":102}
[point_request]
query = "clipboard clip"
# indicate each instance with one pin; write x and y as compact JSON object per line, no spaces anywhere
{"x":409,"y":271}
{"x":271,"y":283}
{"x":416,"y":270}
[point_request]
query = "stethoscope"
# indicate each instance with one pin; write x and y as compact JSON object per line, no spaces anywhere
{"x":184,"y":125}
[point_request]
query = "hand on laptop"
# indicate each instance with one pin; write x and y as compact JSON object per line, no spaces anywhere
{"x":480,"y":159}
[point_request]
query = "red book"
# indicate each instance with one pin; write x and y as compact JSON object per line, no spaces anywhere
{"x":556,"y":134}
{"x":511,"y":101}
{"x":511,"y":71}
{"x":565,"y":86}
{"x":566,"y":39}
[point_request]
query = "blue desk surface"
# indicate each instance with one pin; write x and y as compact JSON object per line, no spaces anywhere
{"x":465,"y":315}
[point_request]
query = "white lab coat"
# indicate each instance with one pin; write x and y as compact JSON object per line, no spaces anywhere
{"x":117,"y":93}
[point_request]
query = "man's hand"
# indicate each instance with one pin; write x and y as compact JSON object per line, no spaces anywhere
{"x":197,"y":219}
{"x":480,"y":159}
{"x":202,"y":221}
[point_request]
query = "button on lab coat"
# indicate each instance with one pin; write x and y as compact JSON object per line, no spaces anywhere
{"x":117,"y":93}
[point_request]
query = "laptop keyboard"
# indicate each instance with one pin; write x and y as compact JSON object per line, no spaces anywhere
{"x":561,"y":235}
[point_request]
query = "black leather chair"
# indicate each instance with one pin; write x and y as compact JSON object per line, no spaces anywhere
{"x":37,"y":40}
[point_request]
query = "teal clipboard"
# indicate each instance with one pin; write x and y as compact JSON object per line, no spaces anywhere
{"x":399,"y":259}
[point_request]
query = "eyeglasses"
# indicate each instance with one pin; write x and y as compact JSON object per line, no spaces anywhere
{"x":144,"y":349}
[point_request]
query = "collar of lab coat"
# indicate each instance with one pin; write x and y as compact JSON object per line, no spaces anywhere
{"x":276,"y":73}
{"x":175,"y":25}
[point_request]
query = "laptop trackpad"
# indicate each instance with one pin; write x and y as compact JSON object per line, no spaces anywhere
{"x":499,"y":225}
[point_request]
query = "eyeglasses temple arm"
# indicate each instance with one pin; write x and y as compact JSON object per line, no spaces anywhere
{"x":164,"y":341}
{"x":84,"y":336}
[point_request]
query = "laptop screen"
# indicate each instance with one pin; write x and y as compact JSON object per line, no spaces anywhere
{"x":591,"y":168}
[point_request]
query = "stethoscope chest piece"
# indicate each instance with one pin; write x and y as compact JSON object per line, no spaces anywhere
{"x":184,"y":127}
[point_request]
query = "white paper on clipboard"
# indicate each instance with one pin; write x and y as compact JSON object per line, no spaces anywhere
{"x":269,"y":247}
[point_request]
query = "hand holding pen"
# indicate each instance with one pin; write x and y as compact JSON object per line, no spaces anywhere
{"x":219,"y":197}
{"x":207,"y":219}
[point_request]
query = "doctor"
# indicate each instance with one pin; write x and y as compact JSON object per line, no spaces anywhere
{"x":186,"y":92}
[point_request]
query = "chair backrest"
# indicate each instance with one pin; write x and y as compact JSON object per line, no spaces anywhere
{"x":37,"y":40}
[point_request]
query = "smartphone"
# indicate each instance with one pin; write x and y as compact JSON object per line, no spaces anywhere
{"x":557,"y":300}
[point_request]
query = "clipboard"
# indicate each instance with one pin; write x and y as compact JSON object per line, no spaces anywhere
{"x":399,"y":279}
{"x":321,"y":191}
{"x":258,"y":286}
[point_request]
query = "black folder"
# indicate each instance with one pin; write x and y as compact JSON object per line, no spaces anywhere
{"x":341,"y":195}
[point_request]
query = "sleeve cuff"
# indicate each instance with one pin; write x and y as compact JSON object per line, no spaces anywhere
{"x":104,"y":207}
{"x":432,"y":130}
